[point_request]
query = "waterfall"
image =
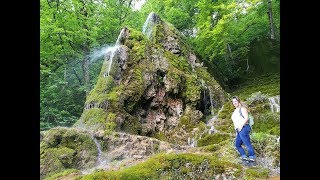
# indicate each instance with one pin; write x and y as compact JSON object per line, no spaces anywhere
{"x":110,"y":54}
{"x":211,"y":101}
{"x":210,"y":97}
{"x":101,"y":160}
{"x":274,"y":103}
{"x":149,"y":24}
{"x":192,"y":142}
{"x":211,"y":121}
{"x":110,"y":51}
{"x":204,"y":100}
{"x":121,"y":34}
{"x":211,"y":130}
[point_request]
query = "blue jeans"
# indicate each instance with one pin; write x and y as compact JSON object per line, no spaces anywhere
{"x":244,"y":137}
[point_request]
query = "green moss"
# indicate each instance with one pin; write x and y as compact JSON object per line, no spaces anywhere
{"x":206,"y":76}
{"x":63,"y":148}
{"x":185,"y":170}
{"x":57,"y":159}
{"x":67,"y":172}
{"x":226,"y":111}
{"x":185,"y":121}
{"x":216,"y":138}
{"x":163,"y":166}
{"x":211,"y":147}
{"x":161,"y":136}
{"x":267,"y":123}
{"x":178,"y":62}
{"x":103,"y":86}
{"x":136,"y":35}
{"x":158,"y":34}
{"x":193,"y":88}
{"x":131,"y":125}
{"x":93,"y":116}
{"x":134,"y":90}
{"x":224,"y":122}
{"x":254,"y":173}
{"x":267,"y":145}
{"x":268,"y":84}
{"x":110,"y":128}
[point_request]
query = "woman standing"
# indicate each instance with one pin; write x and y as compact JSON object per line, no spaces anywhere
{"x":241,"y":125}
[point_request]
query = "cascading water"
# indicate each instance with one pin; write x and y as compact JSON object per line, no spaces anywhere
{"x":192,"y":142}
{"x":101,"y":160}
{"x":110,"y":54}
{"x":205,"y":97}
{"x":121,"y":34}
{"x":211,"y":101}
{"x":274,"y":103}
{"x":151,"y":21}
{"x":98,"y":53}
{"x":211,"y":122}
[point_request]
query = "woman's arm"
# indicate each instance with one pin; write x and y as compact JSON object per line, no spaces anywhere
{"x":245,"y":114}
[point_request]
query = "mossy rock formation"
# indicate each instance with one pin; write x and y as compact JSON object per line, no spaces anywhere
{"x":66,"y":148}
{"x":148,"y":83}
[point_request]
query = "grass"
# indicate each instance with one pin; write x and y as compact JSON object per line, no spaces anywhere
{"x":268,"y":84}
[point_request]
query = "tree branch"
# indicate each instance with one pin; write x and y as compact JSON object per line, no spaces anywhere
{"x":246,"y":29}
{"x":79,"y":79}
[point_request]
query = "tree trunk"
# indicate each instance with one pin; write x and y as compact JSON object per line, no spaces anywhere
{"x":85,"y":69}
{"x":229,"y":48}
{"x":86,"y":50}
{"x":247,"y":64}
{"x":77,"y":76}
{"x":272,"y":34}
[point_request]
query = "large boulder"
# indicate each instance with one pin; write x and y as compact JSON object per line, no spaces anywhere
{"x":148,"y":82}
{"x":66,"y":148}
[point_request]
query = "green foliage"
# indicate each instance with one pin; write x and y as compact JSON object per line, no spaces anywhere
{"x":60,"y":104}
{"x":226,"y":30}
{"x":69,"y":30}
{"x":179,"y":13}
